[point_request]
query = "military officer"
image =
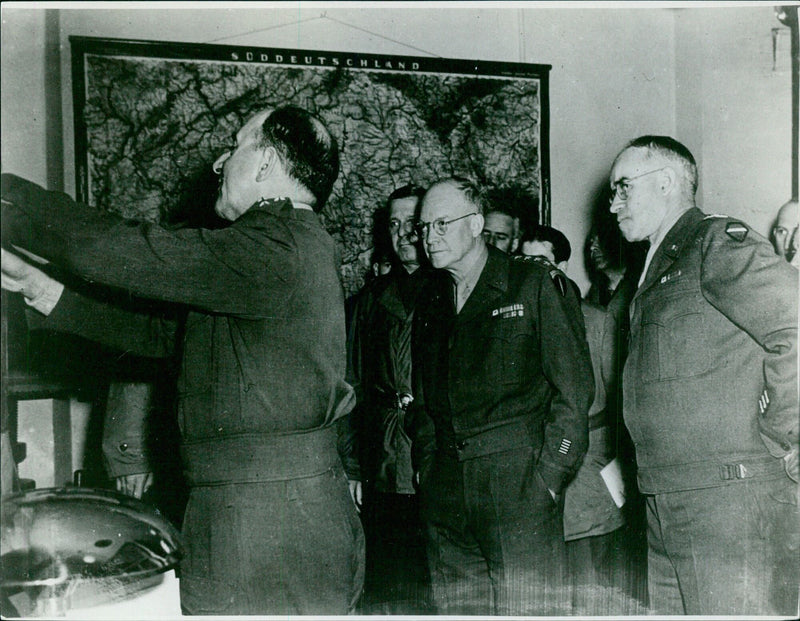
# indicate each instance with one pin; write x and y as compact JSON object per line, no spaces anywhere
{"x":502,"y":385}
{"x":269,"y":527}
{"x":710,"y":394}
{"x":379,"y":369}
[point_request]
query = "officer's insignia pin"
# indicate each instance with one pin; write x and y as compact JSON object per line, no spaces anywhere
{"x":565,"y":445}
{"x":560,"y":280}
{"x":736,"y":230}
{"x":668,"y":277}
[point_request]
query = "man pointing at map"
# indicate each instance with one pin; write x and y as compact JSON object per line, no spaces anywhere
{"x":269,"y":527}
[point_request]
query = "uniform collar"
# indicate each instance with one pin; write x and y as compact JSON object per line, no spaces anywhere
{"x":670,"y":247}
{"x":285,"y":207}
{"x":492,"y":283}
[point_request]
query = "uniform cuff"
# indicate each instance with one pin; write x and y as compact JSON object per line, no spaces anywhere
{"x":46,"y":301}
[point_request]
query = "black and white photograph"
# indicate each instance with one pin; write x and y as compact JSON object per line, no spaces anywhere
{"x":400,"y":309}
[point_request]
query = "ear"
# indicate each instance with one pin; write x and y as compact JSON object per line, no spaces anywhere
{"x":514,"y":245}
{"x":267,"y":162}
{"x":669,"y":180}
{"x":477,"y":224}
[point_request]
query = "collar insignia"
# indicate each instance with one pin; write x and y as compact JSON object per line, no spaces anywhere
{"x":671,"y":276}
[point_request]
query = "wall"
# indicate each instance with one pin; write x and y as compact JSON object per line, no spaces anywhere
{"x":22,"y":107}
{"x":734,"y":109}
{"x":605,"y":89}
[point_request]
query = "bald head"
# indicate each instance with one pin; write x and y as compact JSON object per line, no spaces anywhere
{"x":784,"y":232}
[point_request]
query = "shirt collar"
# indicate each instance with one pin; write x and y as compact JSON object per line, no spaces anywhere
{"x":467,"y":285}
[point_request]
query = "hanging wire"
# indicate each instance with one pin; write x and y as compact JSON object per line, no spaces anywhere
{"x":328,"y":17}
{"x":249,"y":32}
{"x":411,"y":47}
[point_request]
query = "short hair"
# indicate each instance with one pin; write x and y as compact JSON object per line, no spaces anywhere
{"x":673,"y":151}
{"x":406,"y":191}
{"x":470,"y":189}
{"x":307,"y":149}
{"x":517,"y":202}
{"x":541,"y":233}
{"x":498,"y":202}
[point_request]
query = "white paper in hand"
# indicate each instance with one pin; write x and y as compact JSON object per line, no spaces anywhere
{"x":612,"y":475}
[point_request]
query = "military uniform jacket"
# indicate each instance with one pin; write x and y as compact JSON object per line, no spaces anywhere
{"x":511,"y":369}
{"x":589,"y":509}
{"x":263,"y":345}
{"x":710,"y":382}
{"x":379,"y":369}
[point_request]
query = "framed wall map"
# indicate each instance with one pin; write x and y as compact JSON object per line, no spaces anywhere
{"x":151,"y":117}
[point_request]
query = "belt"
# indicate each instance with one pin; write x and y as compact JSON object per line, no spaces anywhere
{"x":394,"y":400}
{"x":701,"y":475}
{"x":512,"y":434}
{"x":260,"y":458}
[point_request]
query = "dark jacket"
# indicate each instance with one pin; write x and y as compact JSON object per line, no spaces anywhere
{"x":589,"y":509}
{"x":511,"y":369}
{"x":379,"y":369}
{"x":710,"y":382}
{"x":263,"y":347}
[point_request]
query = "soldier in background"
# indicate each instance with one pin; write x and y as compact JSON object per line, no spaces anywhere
{"x":379,"y":369}
{"x":501,"y":223}
{"x":785,"y":238}
{"x":592,"y":500}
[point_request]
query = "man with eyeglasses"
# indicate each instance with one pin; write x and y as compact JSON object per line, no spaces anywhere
{"x":379,"y":368}
{"x":502,"y":387}
{"x":270,"y":528}
{"x":710,"y":395}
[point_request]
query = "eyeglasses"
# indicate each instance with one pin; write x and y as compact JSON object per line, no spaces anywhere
{"x":439,"y":226}
{"x":621,"y":188}
{"x":407,"y":228}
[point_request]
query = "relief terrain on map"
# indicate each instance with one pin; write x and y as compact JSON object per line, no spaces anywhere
{"x":155,"y":126}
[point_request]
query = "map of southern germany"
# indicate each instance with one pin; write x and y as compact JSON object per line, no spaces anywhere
{"x":155,"y":126}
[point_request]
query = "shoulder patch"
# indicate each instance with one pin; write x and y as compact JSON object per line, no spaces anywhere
{"x":736,"y":231}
